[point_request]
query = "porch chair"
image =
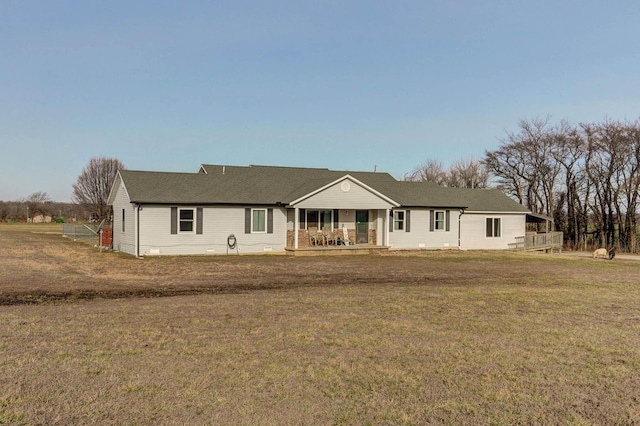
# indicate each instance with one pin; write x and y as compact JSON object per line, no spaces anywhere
{"x":313,"y":236}
{"x":329,"y":236}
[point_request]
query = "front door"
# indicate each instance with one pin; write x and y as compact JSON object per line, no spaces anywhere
{"x":362,"y":226}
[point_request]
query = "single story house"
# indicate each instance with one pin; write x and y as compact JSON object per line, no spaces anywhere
{"x":277,"y":209}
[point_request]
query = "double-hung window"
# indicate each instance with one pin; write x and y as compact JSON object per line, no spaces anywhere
{"x":439,"y":220}
{"x":186,"y":220}
{"x":398,"y":220}
{"x":259,"y":220}
{"x":493,"y":227}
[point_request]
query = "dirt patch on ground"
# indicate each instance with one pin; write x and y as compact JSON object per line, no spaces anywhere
{"x":36,"y":268}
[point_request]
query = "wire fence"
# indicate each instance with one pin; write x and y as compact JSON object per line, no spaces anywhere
{"x":88,"y":233}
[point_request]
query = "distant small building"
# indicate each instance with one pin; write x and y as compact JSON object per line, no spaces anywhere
{"x":40,"y":218}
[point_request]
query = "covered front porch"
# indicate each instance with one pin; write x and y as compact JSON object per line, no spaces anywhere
{"x":337,"y":229}
{"x":338,"y":216}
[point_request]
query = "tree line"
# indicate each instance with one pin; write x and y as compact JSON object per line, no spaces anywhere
{"x":585,"y":177}
{"x":89,"y":197}
{"x":32,"y":208}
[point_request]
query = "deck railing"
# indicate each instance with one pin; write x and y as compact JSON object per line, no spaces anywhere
{"x":546,"y":241}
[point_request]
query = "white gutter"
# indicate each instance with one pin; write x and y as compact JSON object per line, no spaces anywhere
{"x":137,"y":230}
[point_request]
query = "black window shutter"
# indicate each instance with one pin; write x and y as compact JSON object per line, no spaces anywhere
{"x":199,"y":220}
{"x":174,"y":220}
{"x":448,"y":219}
{"x":431,"y":220}
{"x":247,"y":221}
{"x":269,"y":221}
{"x":407,"y":220}
{"x":390,"y":220}
{"x":335,"y":218}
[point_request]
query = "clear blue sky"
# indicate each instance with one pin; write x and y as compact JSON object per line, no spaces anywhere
{"x":168,"y":85}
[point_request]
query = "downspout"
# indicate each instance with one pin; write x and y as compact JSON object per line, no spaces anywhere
{"x":460,"y":225}
{"x":138,"y":207}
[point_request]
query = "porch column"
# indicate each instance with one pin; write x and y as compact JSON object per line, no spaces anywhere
{"x":296,"y":227}
{"x":386,"y":227}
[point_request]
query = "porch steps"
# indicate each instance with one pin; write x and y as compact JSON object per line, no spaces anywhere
{"x":337,"y":251}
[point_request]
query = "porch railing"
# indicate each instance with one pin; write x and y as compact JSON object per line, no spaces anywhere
{"x":545,"y":241}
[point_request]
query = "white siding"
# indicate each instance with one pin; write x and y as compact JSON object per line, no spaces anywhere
{"x":347,"y":219}
{"x":474,"y":230}
{"x":419,"y":235}
{"x":123,"y":241}
{"x":217,"y":224}
{"x":336,"y":197}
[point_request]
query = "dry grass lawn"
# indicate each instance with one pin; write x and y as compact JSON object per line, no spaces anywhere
{"x":432,"y":337}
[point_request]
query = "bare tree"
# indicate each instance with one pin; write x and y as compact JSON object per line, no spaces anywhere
{"x":510,"y":166}
{"x":615,"y":170}
{"x":569,"y":151}
{"x":464,"y":173}
{"x":525,"y":167}
{"x":631,"y":188}
{"x":429,"y":171}
{"x":468,"y":173}
{"x":4,"y":211}
{"x":605,"y":161}
{"x":94,"y":183}
{"x":38,"y":203}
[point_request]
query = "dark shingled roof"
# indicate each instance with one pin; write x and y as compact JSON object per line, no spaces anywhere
{"x":268,"y":185}
{"x":425,"y":194}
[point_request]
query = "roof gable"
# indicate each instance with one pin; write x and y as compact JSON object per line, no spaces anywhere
{"x":343,"y":193}
{"x":117,"y":185}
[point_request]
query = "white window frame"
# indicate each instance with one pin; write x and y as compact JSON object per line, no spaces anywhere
{"x":253,"y":222}
{"x":493,"y":220}
{"x":399,"y":224}
{"x":192,"y":220}
{"x":319,"y":224}
{"x":442,"y":222}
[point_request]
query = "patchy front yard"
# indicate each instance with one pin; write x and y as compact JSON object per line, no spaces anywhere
{"x":453,"y":337}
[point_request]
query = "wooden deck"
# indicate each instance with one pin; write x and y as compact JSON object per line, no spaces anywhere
{"x":548,"y":241}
